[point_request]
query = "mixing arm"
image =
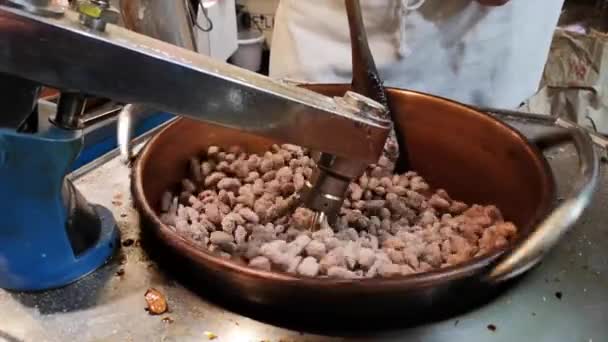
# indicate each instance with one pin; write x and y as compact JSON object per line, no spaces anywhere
{"x":112,"y":62}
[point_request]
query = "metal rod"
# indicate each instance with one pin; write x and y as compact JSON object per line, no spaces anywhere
{"x":69,"y":110}
{"x":597,"y":139}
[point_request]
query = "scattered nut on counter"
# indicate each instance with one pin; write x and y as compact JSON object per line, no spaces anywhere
{"x":157,"y":303}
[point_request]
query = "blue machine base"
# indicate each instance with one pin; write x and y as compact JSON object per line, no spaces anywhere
{"x":49,"y":235}
{"x":44,"y":241}
{"x":77,"y":268}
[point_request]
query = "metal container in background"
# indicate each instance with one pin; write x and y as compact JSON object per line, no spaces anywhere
{"x":589,"y":14}
{"x":169,"y":21}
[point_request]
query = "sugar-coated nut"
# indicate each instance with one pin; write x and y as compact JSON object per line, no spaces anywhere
{"x":212,"y":213}
{"x":284,"y":174}
{"x":303,"y":218}
{"x":298,"y":181}
{"x":323,"y":233}
{"x":293,"y":264}
{"x":220,"y":238}
{"x":395,"y":256}
{"x":356,"y":192}
{"x":253,"y":249}
{"x":213,"y":179}
{"x":252,"y":176}
{"x":224,"y":166}
{"x":432,"y":254}
{"x":341,"y":273}
{"x":316,"y":249}
{"x":277,"y":161}
{"x":377,"y":172}
{"x":207,"y":167}
{"x":260,"y":263}
{"x":231,"y":221}
{"x":249,"y":215}
{"x":351,"y":254}
{"x":253,"y":161}
{"x":297,"y":246}
{"x":366,"y":257}
{"x":229,"y":184}
{"x":212,"y":151}
{"x":269,"y":176}
{"x":274,"y":187}
{"x":335,"y":257}
{"x":307,"y":172}
{"x":287,"y":189}
{"x":309,"y":267}
{"x":240,"y":235}
{"x":266,"y":165}
{"x":387,"y":269}
{"x":276,"y":252}
{"x":241,"y":169}
{"x":439,"y":202}
{"x":374,"y":206}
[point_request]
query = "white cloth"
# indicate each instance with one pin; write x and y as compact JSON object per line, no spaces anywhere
{"x":459,"y":49}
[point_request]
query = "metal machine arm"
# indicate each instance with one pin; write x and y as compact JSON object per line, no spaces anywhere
{"x":128,"y":67}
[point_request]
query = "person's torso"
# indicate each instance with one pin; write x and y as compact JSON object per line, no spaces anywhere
{"x":492,"y":56}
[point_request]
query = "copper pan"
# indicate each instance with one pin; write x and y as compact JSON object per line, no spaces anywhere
{"x":475,"y":157}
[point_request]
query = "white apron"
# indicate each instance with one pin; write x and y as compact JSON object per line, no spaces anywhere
{"x":487,"y":56}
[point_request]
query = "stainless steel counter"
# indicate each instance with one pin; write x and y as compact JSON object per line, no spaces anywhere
{"x":564,"y":299}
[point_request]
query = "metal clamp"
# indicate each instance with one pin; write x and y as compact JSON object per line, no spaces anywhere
{"x":548,"y":233}
{"x":118,"y":62}
{"x":95,"y":14}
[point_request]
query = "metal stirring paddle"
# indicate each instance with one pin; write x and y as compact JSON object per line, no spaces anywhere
{"x":366,"y":79}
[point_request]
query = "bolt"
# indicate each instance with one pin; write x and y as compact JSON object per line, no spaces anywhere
{"x":96,"y":14}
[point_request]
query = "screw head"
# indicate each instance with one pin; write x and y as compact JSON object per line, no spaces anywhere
{"x":95,"y":14}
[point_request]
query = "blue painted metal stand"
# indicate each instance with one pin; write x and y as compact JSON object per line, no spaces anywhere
{"x":42,"y":244}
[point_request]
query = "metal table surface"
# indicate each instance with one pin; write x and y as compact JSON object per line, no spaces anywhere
{"x":563,"y":299}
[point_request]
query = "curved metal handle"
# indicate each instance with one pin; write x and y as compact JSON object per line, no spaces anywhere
{"x":526,"y":255}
